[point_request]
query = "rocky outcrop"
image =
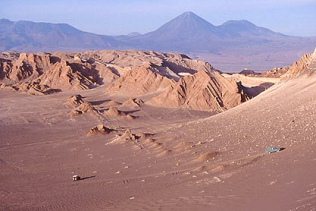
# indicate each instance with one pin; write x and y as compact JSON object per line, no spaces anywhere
{"x":133,"y":103}
{"x":139,"y":81}
{"x":178,"y":81}
{"x":45,"y":72}
{"x":204,"y":90}
{"x":306,"y":65}
{"x":99,"y":130}
{"x":275,"y":72}
{"x":166,"y":80}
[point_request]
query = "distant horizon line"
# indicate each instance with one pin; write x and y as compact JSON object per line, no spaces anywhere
{"x":142,"y":33}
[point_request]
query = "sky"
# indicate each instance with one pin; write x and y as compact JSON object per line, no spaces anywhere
{"x":116,"y":17}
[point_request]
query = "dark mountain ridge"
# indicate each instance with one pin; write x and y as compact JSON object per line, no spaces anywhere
{"x":234,"y":45}
{"x":33,"y":36}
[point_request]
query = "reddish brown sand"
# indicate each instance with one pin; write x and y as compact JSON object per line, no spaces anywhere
{"x":216,"y":163}
{"x":163,"y":158}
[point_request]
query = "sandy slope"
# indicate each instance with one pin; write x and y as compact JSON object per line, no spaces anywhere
{"x":133,"y":156}
{"x":283,"y":116}
{"x":231,"y":170}
{"x":217,"y":163}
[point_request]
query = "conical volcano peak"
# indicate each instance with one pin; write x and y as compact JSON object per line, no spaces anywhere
{"x":191,"y":17}
{"x":189,"y":14}
{"x":188,"y":24}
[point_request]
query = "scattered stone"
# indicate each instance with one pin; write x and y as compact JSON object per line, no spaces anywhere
{"x":217,"y":179}
{"x":76,"y":177}
{"x":273,"y":149}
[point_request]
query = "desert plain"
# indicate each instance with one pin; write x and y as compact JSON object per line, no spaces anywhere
{"x":154,"y":131}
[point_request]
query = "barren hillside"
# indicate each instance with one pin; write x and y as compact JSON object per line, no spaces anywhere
{"x":165,"y":80}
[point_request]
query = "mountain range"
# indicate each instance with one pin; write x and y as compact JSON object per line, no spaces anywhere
{"x":232,"y":46}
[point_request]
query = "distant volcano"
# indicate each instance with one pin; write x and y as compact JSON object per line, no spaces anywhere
{"x":234,"y":45}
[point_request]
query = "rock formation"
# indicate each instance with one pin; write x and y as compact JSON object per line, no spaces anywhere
{"x":46,"y":73}
{"x":178,"y":81}
{"x":99,"y":129}
{"x":306,"y":65}
{"x":167,"y":80}
{"x":138,"y":82}
{"x":201,"y":91}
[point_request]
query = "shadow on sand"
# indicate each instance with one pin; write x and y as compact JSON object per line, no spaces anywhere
{"x":89,"y":177}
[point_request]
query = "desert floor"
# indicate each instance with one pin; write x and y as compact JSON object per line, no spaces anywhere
{"x":174,"y":159}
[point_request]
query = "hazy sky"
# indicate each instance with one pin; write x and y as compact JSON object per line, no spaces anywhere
{"x":293,"y":17}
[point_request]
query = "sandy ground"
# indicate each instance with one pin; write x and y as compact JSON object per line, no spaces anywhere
{"x":188,"y":160}
{"x":249,"y":81}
